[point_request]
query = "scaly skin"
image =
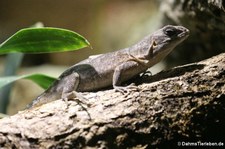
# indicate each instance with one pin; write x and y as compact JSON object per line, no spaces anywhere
{"x":115,"y":67}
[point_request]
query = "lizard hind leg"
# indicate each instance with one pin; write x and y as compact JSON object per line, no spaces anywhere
{"x":71,"y":83}
{"x":119,"y":75}
{"x":125,"y":90}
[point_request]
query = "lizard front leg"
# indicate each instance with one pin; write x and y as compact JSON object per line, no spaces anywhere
{"x":145,"y":58}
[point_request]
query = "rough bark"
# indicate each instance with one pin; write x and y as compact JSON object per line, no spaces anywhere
{"x":186,"y":103}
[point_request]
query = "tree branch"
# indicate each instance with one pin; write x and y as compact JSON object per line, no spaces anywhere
{"x":185,"y":103}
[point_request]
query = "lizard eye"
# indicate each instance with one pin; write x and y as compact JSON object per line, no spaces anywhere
{"x":170,"y":32}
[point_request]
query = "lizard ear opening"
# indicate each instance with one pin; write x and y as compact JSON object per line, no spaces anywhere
{"x":152,"y":47}
{"x":154,"y":44}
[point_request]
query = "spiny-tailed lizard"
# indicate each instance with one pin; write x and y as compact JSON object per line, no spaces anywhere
{"x":116,"y":67}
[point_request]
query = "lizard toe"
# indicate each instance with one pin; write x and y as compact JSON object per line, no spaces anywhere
{"x":125,"y":89}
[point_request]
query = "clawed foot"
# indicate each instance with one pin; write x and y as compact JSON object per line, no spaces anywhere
{"x":146,"y":74}
{"x":79,"y":99}
{"x":125,"y":89}
{"x":75,"y":96}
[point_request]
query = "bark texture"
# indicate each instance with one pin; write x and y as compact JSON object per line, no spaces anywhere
{"x":186,"y":103}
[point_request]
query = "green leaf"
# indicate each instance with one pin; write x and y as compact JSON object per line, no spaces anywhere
{"x":12,"y":63}
{"x":43,"y":40}
{"x":43,"y":81}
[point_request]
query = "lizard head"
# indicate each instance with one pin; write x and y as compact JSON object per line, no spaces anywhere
{"x":167,"y":38}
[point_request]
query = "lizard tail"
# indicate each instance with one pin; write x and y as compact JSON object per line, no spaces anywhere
{"x":42,"y":99}
{"x":35,"y":102}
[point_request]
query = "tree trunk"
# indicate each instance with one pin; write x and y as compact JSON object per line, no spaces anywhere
{"x":177,"y":106}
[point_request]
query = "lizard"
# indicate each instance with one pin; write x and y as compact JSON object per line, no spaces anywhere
{"x":113,"y":68}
